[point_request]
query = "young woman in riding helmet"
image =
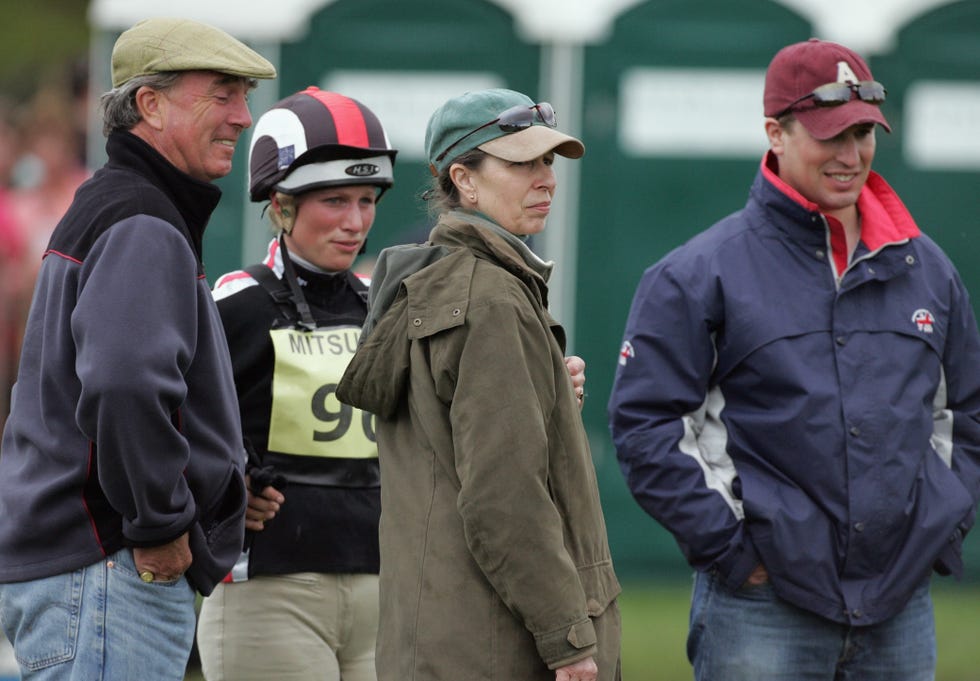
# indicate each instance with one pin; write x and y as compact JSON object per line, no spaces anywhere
{"x":302,"y":602}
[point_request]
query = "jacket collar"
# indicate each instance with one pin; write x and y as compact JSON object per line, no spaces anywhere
{"x":194,"y":199}
{"x":490,"y":241}
{"x":884,"y":218}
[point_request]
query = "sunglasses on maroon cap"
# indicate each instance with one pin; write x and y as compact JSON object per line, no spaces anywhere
{"x":511,"y":120}
{"x":835,"y":94}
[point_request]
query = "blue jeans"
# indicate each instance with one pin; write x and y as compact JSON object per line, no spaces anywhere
{"x":99,"y":622}
{"x":751,"y":635}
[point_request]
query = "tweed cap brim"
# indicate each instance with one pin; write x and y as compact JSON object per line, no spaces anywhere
{"x":164,"y":44}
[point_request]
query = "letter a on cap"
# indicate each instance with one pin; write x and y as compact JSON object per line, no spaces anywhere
{"x":844,"y":73}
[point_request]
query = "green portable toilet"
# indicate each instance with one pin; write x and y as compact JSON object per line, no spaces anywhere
{"x":674,"y":129}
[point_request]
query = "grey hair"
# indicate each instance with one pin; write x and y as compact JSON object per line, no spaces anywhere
{"x":443,"y":195}
{"x":119,"y":110}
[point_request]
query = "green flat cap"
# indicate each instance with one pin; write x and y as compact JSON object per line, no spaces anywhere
{"x":166,"y":44}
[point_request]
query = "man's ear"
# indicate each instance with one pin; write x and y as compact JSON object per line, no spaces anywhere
{"x":775,"y":133}
{"x":151,"y":105}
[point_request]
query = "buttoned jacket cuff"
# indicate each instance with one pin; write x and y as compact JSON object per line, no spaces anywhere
{"x":568,"y":645}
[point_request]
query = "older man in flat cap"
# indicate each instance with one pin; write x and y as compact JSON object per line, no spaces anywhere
{"x":121,"y":484}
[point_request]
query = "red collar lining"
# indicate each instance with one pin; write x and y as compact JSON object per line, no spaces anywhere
{"x":884,"y":217}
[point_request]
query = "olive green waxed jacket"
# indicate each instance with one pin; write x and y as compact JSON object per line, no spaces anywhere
{"x":494,"y":556}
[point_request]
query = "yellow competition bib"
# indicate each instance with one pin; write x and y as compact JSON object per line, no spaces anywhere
{"x":307,"y":418}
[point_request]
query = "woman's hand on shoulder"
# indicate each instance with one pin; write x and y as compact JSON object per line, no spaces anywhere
{"x":576,"y":371}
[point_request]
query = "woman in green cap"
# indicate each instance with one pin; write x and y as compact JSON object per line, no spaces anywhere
{"x":494,"y":557}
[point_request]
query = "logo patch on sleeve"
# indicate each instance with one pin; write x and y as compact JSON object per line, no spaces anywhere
{"x":923,"y":320}
{"x":626,"y":352}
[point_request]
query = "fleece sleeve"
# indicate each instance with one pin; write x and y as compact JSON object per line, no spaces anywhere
{"x":134,"y":327}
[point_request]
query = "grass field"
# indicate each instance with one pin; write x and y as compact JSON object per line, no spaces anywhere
{"x":655,"y":627}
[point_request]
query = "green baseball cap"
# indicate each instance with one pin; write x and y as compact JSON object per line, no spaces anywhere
{"x":473,"y":120}
{"x":163,"y":44}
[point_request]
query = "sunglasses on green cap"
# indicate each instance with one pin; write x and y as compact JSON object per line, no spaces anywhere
{"x":516,"y":118}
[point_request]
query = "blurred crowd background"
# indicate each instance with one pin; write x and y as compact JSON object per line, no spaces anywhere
{"x":43,"y":120}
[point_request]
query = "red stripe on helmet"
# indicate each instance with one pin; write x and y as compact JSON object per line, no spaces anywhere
{"x":347,"y":117}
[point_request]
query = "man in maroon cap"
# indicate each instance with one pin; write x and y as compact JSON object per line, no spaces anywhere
{"x":798,"y":402}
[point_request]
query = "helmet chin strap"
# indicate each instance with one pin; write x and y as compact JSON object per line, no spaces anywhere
{"x":296,"y":291}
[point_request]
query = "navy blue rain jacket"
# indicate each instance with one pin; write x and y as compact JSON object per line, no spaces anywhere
{"x":777,"y":404}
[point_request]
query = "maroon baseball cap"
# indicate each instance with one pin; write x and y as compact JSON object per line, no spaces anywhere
{"x":798,"y":69}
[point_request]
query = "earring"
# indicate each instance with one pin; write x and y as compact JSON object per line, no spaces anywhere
{"x":473,"y":198}
{"x":284,"y":212}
